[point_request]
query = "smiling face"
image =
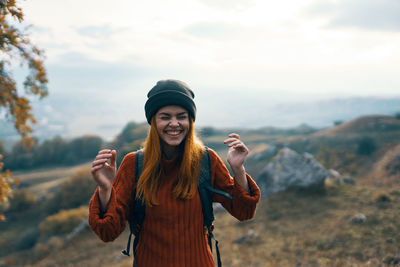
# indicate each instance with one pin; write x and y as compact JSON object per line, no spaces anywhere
{"x":172,"y":124}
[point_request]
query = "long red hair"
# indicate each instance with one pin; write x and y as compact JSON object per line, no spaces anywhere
{"x":149,"y":181}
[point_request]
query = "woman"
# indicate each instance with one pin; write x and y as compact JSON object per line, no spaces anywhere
{"x":172,"y":232}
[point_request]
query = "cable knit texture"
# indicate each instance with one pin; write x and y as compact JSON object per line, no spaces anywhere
{"x":172,"y":233}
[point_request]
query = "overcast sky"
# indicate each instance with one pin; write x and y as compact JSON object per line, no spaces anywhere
{"x":104,"y":56}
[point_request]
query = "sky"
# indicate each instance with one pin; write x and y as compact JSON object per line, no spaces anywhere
{"x":102,"y":57}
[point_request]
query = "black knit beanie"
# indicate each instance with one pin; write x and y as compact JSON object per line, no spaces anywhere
{"x":169,"y":92}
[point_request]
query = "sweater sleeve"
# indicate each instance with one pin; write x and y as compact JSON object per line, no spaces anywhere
{"x":110,"y":224}
{"x":243,"y":204}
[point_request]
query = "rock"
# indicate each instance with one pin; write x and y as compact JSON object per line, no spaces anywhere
{"x":249,"y":237}
{"x":392,"y":260}
{"x":271,"y":150}
{"x":359,"y":218}
{"x":257,"y":156}
{"x":334,"y":176}
{"x":289,"y":169}
{"x":389,"y":240}
{"x":349,"y":180}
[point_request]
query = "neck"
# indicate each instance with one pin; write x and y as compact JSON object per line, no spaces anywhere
{"x":170,"y":151}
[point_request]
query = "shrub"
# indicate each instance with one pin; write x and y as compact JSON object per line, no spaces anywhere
{"x":208,"y":131}
{"x":62,"y":222}
{"x":135,"y":145}
{"x":132,"y":132}
{"x":366,"y":146}
{"x":55,"y":242}
{"x":74,"y":193}
{"x":21,"y":201}
{"x":382,"y":196}
{"x":338,"y":122}
{"x":28,"y":238}
{"x":82,"y":148}
{"x":40,"y":251}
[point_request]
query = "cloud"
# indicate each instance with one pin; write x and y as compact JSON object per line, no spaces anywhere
{"x":214,"y":30}
{"x":74,"y":70}
{"x":40,"y":30}
{"x":103,"y":32}
{"x":364,"y":14}
{"x":228,"y":4}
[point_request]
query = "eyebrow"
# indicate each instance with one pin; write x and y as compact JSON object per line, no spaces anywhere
{"x":178,"y":114}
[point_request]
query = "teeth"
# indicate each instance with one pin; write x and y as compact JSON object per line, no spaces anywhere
{"x":173,"y":132}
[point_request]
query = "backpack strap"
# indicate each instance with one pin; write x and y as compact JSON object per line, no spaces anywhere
{"x":137,"y":215}
{"x":205,"y":191}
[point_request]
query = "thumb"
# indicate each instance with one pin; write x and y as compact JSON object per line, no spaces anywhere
{"x":113,"y":158}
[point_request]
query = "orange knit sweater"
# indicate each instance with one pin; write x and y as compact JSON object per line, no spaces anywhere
{"x":172,"y":233}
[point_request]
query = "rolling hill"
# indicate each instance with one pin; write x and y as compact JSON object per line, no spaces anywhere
{"x":292,"y":228}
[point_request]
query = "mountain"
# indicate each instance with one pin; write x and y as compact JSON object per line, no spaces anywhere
{"x":363,"y":125}
{"x":59,"y":117}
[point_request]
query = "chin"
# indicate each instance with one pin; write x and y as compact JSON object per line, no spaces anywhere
{"x":174,"y":143}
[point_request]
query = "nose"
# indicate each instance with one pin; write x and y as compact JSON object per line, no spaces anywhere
{"x":174,"y":122}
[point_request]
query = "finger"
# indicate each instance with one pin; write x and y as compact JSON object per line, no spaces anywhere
{"x":234,"y":135}
{"x":235,"y":143}
{"x":96,"y":168}
{"x":99,"y":162}
{"x":241,"y":147}
{"x":226,"y":141}
{"x":104,"y":151}
{"x":103,"y":156}
{"x":113,"y":158}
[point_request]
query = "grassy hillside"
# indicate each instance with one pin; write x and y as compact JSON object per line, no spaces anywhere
{"x":41,"y":195}
{"x":293,"y":228}
{"x":386,"y":171}
{"x":351,"y":148}
{"x":44,"y":180}
{"x":316,"y":229}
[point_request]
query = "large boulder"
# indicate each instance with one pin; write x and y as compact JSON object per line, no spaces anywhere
{"x":290,"y":169}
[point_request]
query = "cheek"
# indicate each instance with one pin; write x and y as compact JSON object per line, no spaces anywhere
{"x":160,"y":128}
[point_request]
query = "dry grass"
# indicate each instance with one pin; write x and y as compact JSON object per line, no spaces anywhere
{"x":48,"y":173}
{"x":43,"y":181}
{"x":302,"y":229}
{"x":85,"y":250}
{"x":386,"y":171}
{"x":293,"y":228}
{"x":365,"y":124}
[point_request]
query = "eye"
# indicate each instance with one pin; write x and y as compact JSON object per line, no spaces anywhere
{"x":182,"y":117}
{"x":164,"y":118}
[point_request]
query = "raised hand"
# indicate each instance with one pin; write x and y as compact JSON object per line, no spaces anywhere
{"x":104,"y":168}
{"x":237,"y":152}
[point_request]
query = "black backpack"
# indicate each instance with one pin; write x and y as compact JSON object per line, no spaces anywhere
{"x":205,"y":191}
